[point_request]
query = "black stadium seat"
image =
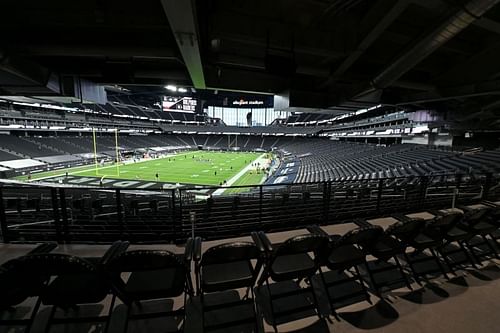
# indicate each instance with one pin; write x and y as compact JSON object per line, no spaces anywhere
{"x":226,"y":267}
{"x":154,"y":274}
{"x":294,"y":259}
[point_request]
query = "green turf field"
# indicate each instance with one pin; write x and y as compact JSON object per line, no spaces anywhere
{"x":248,"y":178}
{"x":199,"y":167}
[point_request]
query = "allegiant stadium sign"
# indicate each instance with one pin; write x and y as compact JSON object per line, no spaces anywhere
{"x":243,"y":102}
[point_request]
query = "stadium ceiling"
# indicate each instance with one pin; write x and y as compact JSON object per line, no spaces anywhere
{"x":326,"y":55}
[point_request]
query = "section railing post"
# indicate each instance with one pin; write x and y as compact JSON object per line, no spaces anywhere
{"x":379,"y":194}
{"x":487,"y":186}
{"x":119,"y":213}
{"x":329,"y":202}
{"x":3,"y":219}
{"x":173,"y":217}
{"x":64,"y":214}
{"x":325,"y":202}
{"x":423,"y":190}
{"x":192,"y":218}
{"x":456,"y":192}
{"x":57,"y":220}
{"x":179,"y":214}
{"x":261,"y":195}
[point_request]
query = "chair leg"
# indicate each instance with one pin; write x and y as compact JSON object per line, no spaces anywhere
{"x":447,"y":261}
{"x":127,"y":318}
{"x":441,"y":267}
{"x":332,"y":307}
{"x":255,"y":312}
{"x":33,"y":315}
{"x":202,"y":304}
{"x":414,"y":272}
{"x":246,"y":293}
{"x":493,"y":250}
{"x":272,"y":307}
{"x":111,"y":307}
{"x":315,"y":299}
{"x":362,"y":282}
{"x":473,"y":253}
{"x":51,"y":316}
{"x":468,"y":254}
{"x":185,"y":311}
{"x":402,"y":273}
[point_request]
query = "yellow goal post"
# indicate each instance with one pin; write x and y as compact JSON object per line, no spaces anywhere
{"x":112,"y":170}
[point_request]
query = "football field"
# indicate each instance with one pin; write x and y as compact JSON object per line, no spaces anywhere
{"x":198,"y":167}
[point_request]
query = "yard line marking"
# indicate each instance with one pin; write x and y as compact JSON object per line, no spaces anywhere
{"x":92,"y":167}
{"x":238,"y":175}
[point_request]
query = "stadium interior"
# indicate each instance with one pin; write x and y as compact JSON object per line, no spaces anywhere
{"x":250,"y":166}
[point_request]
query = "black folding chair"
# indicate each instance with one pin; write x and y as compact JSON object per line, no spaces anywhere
{"x":444,"y":226}
{"x":16,"y":286}
{"x":225,"y":267}
{"x":477,"y":223}
{"x":295,"y":259}
{"x":384,"y":248}
{"x":154,"y":274}
{"x":342,"y":254}
{"x":412,"y":232}
{"x":72,"y":281}
{"x":494,"y":218}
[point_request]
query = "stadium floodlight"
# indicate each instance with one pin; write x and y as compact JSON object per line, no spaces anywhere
{"x":171,"y":87}
{"x":182,"y":90}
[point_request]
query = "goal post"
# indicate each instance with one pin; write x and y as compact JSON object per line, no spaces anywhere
{"x":232,"y":143}
{"x":106,"y":170}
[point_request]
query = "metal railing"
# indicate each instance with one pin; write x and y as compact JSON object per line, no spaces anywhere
{"x":102,"y":215}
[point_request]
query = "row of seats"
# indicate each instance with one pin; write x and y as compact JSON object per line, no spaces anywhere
{"x":325,"y":160}
{"x":32,"y":147}
{"x":256,"y":266}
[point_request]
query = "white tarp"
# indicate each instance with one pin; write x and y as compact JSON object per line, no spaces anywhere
{"x":20,"y":164}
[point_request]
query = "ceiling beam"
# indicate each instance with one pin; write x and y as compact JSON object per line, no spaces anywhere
{"x":102,"y":51}
{"x":448,"y":29}
{"x":473,"y":69}
{"x":388,"y":11}
{"x":183,"y":22}
{"x":488,"y":24}
{"x":449,"y":93}
{"x":483,"y":22}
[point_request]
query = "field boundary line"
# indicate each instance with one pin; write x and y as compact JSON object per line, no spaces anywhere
{"x":92,"y":167}
{"x":239,"y":174}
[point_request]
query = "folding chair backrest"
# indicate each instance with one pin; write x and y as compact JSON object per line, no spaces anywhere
{"x":443,"y":223}
{"x":230,"y":252}
{"x":407,"y":229}
{"x":51,"y":264}
{"x":144,"y":260}
{"x":302,"y":244}
{"x":361,"y":236}
{"x":475,"y":216}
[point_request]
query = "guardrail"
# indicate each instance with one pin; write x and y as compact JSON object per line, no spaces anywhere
{"x":102,"y":215}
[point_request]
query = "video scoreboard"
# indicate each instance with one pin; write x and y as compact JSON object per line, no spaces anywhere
{"x":178,"y":103}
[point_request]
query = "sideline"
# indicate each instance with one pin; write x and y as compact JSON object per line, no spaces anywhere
{"x":105,"y":167}
{"x":239,"y":175}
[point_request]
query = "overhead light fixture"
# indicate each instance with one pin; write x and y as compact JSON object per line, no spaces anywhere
{"x":171,"y":87}
{"x":182,"y":90}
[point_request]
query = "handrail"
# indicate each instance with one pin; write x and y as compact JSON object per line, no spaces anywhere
{"x":294,"y":204}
